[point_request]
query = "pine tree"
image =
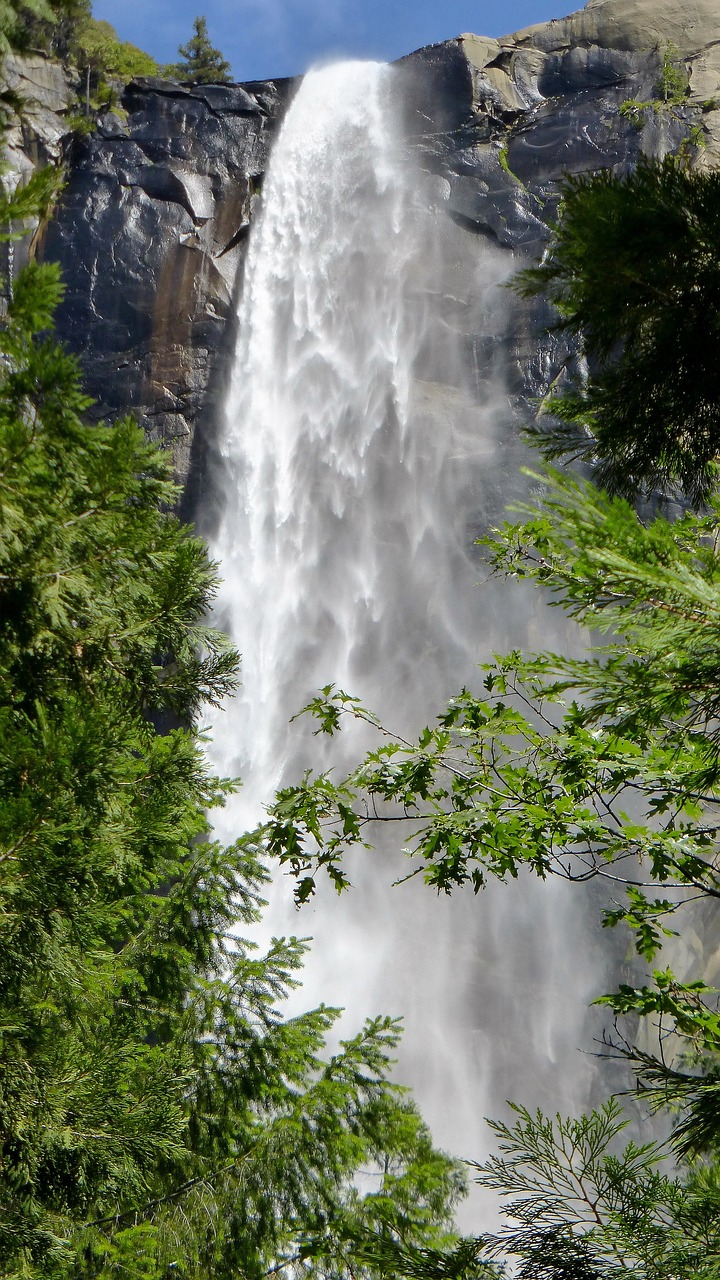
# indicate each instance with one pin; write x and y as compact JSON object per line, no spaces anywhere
{"x":202,"y":63}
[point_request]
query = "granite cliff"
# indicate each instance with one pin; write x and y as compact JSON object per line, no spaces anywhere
{"x":152,"y":225}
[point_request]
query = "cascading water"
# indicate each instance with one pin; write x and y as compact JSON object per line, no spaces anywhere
{"x":355,"y":446}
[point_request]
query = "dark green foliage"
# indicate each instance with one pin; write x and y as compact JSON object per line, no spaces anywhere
{"x":96,"y":811}
{"x":158,"y":1114}
{"x":49,"y":25}
{"x":14,"y":14}
{"x":466,"y":1261}
{"x":633,"y":270}
{"x":201,"y":62}
{"x":578,"y":1206}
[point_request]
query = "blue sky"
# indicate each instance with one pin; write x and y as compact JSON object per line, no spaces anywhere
{"x":266,"y":38}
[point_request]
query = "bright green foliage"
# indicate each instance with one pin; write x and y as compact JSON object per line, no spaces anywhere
{"x":603,"y":766}
{"x":97,"y":46}
{"x":30,"y":201}
{"x":582,"y":1208}
{"x":633,"y":269}
{"x":201,"y":62}
{"x":158,"y":1115}
{"x":66,"y":29}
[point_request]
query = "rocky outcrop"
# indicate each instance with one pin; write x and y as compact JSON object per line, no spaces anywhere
{"x":581,"y":51}
{"x":42,"y":93}
{"x":150,"y":235}
{"x":152,"y":227}
{"x":37,"y":97}
{"x":630,"y":26}
{"x":502,"y":122}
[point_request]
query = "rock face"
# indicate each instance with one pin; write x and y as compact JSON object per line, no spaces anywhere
{"x":44,"y":94}
{"x":631,"y":25}
{"x":152,"y":226}
{"x":38,"y":95}
{"x":150,"y":236}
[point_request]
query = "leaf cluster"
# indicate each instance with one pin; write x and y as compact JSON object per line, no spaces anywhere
{"x":96,"y":46}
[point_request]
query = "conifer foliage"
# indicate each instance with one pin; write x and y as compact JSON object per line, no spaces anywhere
{"x":581,"y":1205}
{"x":633,"y":270}
{"x":158,"y":1114}
{"x":201,"y":62}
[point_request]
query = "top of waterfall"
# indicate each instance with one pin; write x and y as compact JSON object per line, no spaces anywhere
{"x":630,"y":24}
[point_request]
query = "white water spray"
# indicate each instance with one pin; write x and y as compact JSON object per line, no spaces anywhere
{"x":354,"y":452}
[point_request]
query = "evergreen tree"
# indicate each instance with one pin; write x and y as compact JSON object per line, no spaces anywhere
{"x":577,"y":1206}
{"x":633,"y":270}
{"x":202,"y":63}
{"x":158,"y":1113}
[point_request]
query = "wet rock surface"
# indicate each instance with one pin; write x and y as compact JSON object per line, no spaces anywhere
{"x":152,"y":228}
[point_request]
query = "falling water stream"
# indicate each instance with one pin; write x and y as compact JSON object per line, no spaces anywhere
{"x":356,"y":444}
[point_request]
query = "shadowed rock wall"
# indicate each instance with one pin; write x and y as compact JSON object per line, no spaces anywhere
{"x":150,"y":234}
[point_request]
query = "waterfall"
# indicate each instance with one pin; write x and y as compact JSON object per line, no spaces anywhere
{"x":358,"y":441}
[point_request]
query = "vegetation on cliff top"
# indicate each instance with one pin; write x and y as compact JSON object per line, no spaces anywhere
{"x":201,"y":62}
{"x":67,"y":30}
